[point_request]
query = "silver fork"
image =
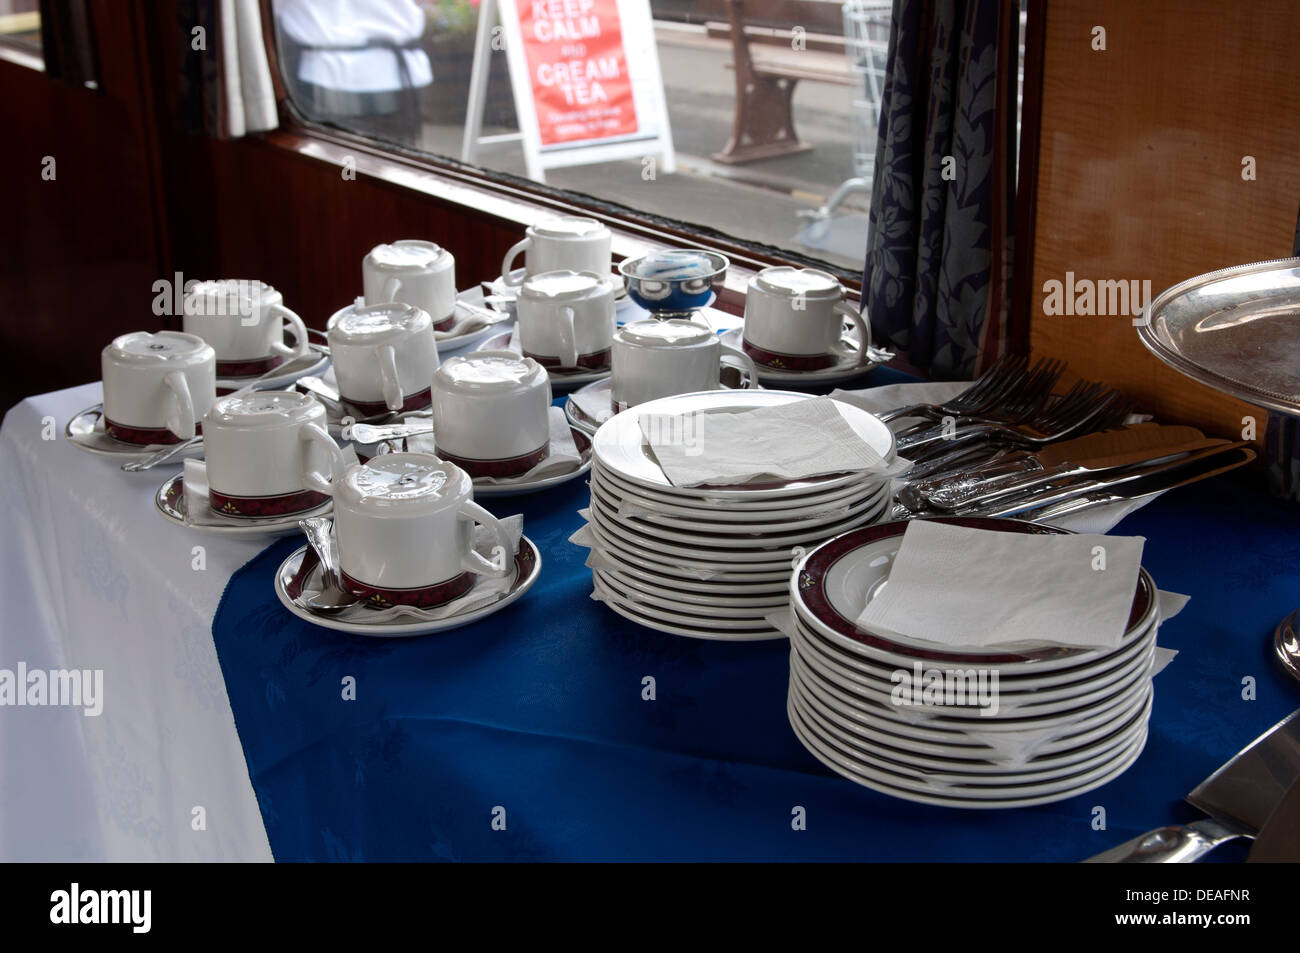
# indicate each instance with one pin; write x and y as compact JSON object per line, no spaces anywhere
{"x":1022,"y":406}
{"x":1005,"y":373}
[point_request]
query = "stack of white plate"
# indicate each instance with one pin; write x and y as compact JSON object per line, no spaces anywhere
{"x":713,"y":562}
{"x":1067,"y":719}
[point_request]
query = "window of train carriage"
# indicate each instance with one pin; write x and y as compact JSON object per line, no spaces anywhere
{"x":20,"y":24}
{"x":398,"y":71}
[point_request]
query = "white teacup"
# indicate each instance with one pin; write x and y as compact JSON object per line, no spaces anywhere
{"x":566,"y":318}
{"x":794,"y":320}
{"x":490,"y":413}
{"x":562,"y":244}
{"x":653,"y":359}
{"x":244,"y":321}
{"x":384,"y":356}
{"x":268,"y":454}
{"x":417,"y":272}
{"x":404,"y":524}
{"x":157,"y":387}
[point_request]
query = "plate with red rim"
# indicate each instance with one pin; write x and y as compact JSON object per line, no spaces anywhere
{"x":527,"y":566}
{"x":170,"y":502}
{"x":832,"y":583}
{"x":621,"y":447}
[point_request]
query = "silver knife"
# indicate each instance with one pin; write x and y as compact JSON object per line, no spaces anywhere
{"x":1034,"y":499}
{"x":1239,"y":798}
{"x":1279,"y":839}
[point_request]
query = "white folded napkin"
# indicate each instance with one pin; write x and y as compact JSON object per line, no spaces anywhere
{"x":485,"y":591}
{"x":595,"y":404}
{"x":563,"y":456}
{"x":973,"y":588}
{"x":804,"y":438}
{"x":197,"y":510}
{"x":466,"y":321}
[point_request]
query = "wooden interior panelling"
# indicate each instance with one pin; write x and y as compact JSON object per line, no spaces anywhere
{"x":1140,"y":169}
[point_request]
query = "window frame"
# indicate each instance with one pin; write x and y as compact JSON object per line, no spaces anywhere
{"x":519,"y":200}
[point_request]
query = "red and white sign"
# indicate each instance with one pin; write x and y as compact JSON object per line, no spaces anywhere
{"x":578,"y":70}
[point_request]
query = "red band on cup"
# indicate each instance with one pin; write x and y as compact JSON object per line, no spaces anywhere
{"x":508,"y":467}
{"x":285,"y":504}
{"x":143,"y":435}
{"x":370,"y":408}
{"x":788,"y":362}
{"x":250,"y":368}
{"x":595,"y":361}
{"x":446,"y":323}
{"x":422,"y":597}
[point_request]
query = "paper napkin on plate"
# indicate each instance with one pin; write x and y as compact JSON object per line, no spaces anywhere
{"x":465,"y":320}
{"x":563,"y":457}
{"x":803,"y":438}
{"x":973,"y":588}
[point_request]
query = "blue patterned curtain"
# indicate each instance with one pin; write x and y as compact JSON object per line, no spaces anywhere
{"x":936,"y":280}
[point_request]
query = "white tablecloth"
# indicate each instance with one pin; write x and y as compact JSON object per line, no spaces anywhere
{"x":92,"y":577}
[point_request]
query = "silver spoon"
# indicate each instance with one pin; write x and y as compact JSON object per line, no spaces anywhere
{"x":368,"y":433}
{"x":1286,"y":642}
{"x":333,"y":598}
{"x":162,"y":456}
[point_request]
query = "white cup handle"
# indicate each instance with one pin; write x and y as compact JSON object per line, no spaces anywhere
{"x":568,"y":338}
{"x":746,"y":364}
{"x":392,"y":288}
{"x":388,"y":374}
{"x":473,"y":561}
{"x":180,"y":415}
{"x":283,"y":314}
{"x":312,"y":479}
{"x":507,"y":263}
{"x":841,"y":347}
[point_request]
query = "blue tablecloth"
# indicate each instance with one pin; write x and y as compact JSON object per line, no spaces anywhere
{"x":536,"y":716}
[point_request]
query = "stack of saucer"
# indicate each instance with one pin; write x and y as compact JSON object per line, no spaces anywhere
{"x":713,"y":561}
{"x":977,"y":729}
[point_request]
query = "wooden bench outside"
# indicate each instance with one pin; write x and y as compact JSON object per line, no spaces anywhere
{"x":769,"y":65}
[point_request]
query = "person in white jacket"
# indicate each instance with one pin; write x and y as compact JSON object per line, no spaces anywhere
{"x":358,"y":64}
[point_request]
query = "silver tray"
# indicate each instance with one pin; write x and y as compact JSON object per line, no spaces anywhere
{"x":1236,"y":330}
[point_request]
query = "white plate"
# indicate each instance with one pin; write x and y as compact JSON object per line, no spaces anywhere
{"x":85,"y":431}
{"x":621,"y":447}
{"x":692,"y":569}
{"x":528,"y":564}
{"x":601,"y":392}
{"x":777,"y":590}
{"x":861,"y":669}
{"x":169,"y":500}
{"x":975,"y":775}
{"x":886,"y":719}
{"x":731,"y":508}
{"x":956,"y":796}
{"x":844,"y":368}
{"x":690,"y":601}
{"x":820,"y":525}
{"x":688,"y":627}
{"x":749,"y":617}
{"x":736,"y":520}
{"x":314,"y":362}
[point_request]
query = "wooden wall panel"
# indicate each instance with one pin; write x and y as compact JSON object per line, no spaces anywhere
{"x":1140,"y":169}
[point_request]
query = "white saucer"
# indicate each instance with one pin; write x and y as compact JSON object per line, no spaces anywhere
{"x":169,"y":500}
{"x":602,"y":393}
{"x":483,"y":489}
{"x":844,"y":368}
{"x":528,"y":564}
{"x":470,"y":339}
{"x":313,"y":362}
{"x":85,"y":431}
